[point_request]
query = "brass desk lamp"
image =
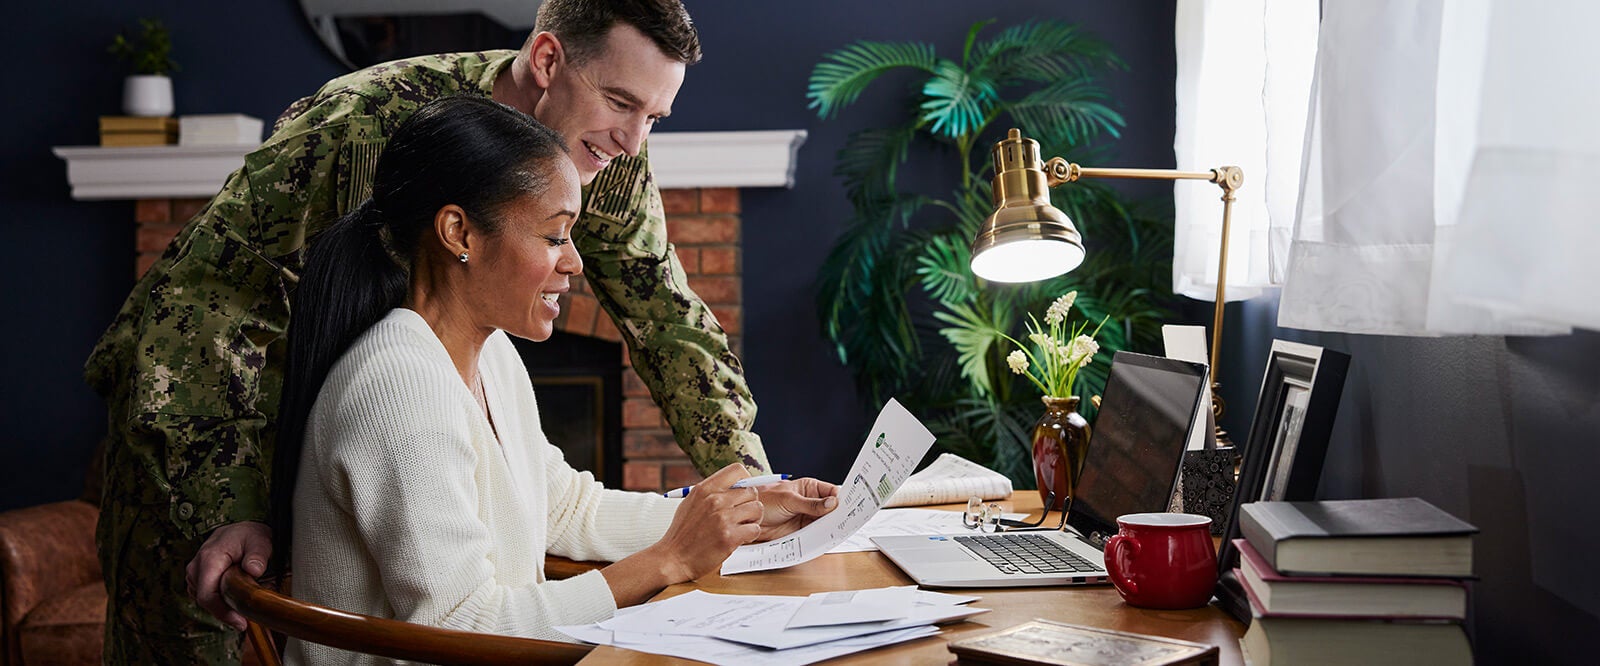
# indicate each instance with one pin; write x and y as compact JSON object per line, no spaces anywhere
{"x":1027,"y":239}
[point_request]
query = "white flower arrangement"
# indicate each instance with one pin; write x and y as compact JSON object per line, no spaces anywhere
{"x":1057,"y":355}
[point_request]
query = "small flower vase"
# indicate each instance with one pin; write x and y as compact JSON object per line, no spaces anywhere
{"x":1060,"y":443}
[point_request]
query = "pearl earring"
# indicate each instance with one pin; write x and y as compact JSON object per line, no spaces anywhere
{"x":463,"y":257}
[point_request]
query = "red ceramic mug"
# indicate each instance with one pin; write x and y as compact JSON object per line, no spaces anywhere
{"x":1163,"y":560}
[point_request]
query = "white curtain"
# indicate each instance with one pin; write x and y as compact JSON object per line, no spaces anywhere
{"x":1244,"y":76}
{"x":1450,"y":160}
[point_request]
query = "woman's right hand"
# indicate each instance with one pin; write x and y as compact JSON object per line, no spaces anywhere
{"x":712,"y":521}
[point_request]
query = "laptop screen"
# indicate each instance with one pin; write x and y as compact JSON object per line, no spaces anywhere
{"x":1137,"y":441}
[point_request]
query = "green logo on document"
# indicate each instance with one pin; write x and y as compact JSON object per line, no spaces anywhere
{"x":881,"y":441}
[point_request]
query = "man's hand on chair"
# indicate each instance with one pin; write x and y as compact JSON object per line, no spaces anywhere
{"x":248,"y":545}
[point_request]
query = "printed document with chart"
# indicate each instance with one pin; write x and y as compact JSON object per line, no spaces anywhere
{"x":893,"y":448}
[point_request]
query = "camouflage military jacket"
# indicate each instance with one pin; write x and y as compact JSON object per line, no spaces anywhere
{"x":191,"y":367}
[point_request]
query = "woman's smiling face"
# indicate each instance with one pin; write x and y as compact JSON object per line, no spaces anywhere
{"x":517,"y":275}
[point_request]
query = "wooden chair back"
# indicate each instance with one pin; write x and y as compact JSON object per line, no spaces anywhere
{"x":267,"y":609}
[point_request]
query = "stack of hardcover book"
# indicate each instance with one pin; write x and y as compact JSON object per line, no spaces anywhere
{"x":121,"y":131}
{"x":1355,"y":582}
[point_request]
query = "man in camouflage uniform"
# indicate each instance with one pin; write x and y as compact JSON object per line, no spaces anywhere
{"x":191,"y":368}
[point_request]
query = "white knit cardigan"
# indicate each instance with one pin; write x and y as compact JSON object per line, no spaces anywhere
{"x":409,"y":507}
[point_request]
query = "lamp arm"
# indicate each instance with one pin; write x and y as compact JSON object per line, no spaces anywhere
{"x":1230,"y":178}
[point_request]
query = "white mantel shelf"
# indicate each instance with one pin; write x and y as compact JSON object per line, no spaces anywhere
{"x":680,"y":160}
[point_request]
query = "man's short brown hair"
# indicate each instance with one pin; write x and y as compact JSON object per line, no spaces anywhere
{"x":582,"y":26}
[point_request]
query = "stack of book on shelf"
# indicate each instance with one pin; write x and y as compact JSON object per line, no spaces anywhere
{"x":219,"y":129}
{"x":122,"y":131}
{"x":1354,"y":582}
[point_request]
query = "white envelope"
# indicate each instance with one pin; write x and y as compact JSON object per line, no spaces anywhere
{"x":852,"y":606}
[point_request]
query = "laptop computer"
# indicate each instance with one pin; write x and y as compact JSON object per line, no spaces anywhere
{"x":1135,"y":453}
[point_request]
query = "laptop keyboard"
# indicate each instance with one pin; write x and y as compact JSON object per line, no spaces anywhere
{"x":1025,"y":554}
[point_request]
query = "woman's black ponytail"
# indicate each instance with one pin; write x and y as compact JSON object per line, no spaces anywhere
{"x":349,"y":283}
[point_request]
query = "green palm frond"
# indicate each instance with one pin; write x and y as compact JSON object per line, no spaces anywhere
{"x":974,"y":331}
{"x":975,"y":203}
{"x":1069,"y":111}
{"x":1043,"y":52}
{"x":870,"y":161}
{"x":972,"y":39}
{"x":847,"y":278}
{"x":840,"y":78}
{"x":957,"y":102}
{"x":991,"y":433}
{"x":945,"y":268}
{"x":861,"y":297}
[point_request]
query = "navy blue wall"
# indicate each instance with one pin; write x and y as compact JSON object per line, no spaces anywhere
{"x":71,"y":262}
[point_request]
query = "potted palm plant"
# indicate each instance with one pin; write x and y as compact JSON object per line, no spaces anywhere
{"x":896,"y":296}
{"x":148,"y":90}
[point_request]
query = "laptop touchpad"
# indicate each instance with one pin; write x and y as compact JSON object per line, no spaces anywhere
{"x":944,"y":552}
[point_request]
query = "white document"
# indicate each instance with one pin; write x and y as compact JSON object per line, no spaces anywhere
{"x":760,"y":619}
{"x":779,"y":638}
{"x":950,"y":479}
{"x":1188,"y":343}
{"x":893,"y":448}
{"x":931,"y":598}
{"x":907,"y":522}
{"x":726,"y":653}
{"x":852,"y":606}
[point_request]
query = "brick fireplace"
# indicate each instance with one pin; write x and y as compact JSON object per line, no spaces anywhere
{"x":704,"y":226}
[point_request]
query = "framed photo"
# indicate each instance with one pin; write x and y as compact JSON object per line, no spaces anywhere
{"x":1282,"y":458}
{"x":1042,"y":642}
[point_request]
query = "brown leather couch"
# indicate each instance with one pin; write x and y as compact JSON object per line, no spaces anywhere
{"x":52,"y":597}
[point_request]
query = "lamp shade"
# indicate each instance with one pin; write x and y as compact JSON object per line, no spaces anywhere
{"x":1026,"y":238}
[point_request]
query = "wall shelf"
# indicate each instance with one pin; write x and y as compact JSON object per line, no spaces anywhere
{"x":680,"y":160}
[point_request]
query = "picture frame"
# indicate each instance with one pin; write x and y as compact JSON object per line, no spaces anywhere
{"x":1283,"y":455}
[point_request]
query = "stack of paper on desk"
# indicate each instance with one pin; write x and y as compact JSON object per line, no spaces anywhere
{"x":776,"y":630}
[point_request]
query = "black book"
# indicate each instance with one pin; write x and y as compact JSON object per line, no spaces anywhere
{"x":1371,"y":537}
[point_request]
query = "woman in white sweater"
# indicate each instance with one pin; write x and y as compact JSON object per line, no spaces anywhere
{"x":426,"y":490}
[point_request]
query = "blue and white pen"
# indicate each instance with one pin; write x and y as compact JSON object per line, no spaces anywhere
{"x":751,"y":482}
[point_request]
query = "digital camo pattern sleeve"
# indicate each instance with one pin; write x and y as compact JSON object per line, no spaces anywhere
{"x":192,"y":366}
{"x":677,"y":346}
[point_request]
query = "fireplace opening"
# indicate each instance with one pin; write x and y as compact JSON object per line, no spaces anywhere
{"x":577,"y":381}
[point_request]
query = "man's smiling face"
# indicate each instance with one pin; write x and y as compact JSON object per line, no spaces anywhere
{"x":607,"y":105}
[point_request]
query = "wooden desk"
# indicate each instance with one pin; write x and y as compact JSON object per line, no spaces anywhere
{"x":1097,"y":606}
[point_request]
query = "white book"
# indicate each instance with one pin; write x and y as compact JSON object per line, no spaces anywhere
{"x":219,"y":129}
{"x":951,"y":479}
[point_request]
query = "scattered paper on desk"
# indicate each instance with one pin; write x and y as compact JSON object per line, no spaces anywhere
{"x":852,"y":606}
{"x":907,"y":522}
{"x":893,"y":448}
{"x":779,"y":638}
{"x":751,"y":629}
{"x":726,"y":653}
{"x":950,"y":479}
{"x":930,"y":597}
{"x":761,"y":619}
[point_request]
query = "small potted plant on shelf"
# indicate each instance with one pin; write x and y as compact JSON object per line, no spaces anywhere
{"x":148,"y":90}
